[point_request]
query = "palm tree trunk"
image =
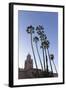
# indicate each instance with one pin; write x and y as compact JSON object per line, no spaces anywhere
{"x":50,"y":61}
{"x":34,"y":55}
{"x":39,"y":56}
{"x":43,"y":58}
{"x":55,"y":67}
{"x":46,"y":60}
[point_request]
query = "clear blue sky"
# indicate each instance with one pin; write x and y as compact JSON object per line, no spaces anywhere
{"x":49,"y":20}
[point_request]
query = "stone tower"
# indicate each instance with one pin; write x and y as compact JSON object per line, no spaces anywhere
{"x":28,"y":63}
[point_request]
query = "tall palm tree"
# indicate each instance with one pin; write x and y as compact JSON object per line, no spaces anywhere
{"x":30,"y":30}
{"x":52,"y":57}
{"x":47,"y":46}
{"x":40,"y":32}
{"x":43,"y":57}
{"x":36,"y":39}
{"x":44,"y":47}
{"x":43,"y":38}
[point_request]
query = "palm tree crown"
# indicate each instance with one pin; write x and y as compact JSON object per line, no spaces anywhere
{"x":47,"y":44}
{"x":30,"y":29}
{"x":51,"y":56}
{"x":39,"y":30}
{"x":40,"y":27}
{"x":35,"y":39}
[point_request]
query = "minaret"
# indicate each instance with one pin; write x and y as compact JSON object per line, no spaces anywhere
{"x":28,"y":63}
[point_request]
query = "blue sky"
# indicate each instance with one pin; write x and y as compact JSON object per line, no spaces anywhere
{"x":49,"y":20}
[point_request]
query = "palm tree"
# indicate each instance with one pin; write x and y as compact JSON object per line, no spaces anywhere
{"x":44,"y":47}
{"x":43,"y":56}
{"x":47,"y":46}
{"x":40,"y":32}
{"x":30,"y":30}
{"x":52,"y":57}
{"x":36,"y":39}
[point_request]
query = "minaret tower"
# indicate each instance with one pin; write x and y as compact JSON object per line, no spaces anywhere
{"x":28,"y":63}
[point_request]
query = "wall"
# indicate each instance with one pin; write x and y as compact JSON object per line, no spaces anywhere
{"x":4,"y":44}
